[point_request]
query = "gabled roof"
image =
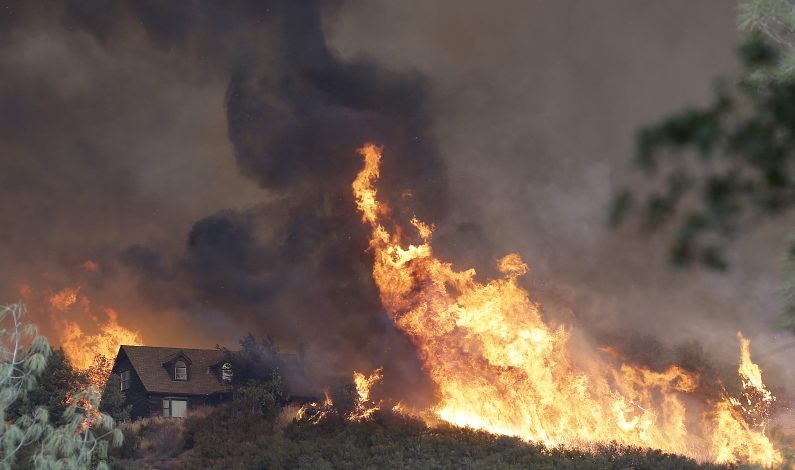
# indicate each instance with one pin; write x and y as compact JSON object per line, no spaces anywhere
{"x":148,"y":364}
{"x":178,"y":356}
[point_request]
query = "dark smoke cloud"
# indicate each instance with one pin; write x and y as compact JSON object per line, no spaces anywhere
{"x":295,"y":267}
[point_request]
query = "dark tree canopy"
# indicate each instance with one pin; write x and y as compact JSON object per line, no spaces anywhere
{"x":712,"y":170}
{"x":57,"y":383}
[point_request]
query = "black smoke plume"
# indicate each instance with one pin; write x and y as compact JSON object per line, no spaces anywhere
{"x":294,"y":266}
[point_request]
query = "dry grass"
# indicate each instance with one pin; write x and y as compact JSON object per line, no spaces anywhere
{"x":286,"y":417}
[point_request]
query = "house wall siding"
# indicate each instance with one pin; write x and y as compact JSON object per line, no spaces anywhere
{"x":135,"y":395}
{"x":155,"y":402}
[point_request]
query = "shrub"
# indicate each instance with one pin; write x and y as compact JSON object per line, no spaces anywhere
{"x":391,"y":440}
{"x":264,"y":398}
{"x":160,"y":436}
{"x":130,"y":448}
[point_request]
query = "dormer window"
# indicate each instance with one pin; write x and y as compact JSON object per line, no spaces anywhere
{"x":226,"y":372}
{"x":180,"y":370}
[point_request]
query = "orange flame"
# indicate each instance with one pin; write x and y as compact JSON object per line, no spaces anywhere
{"x":500,"y":368}
{"x":90,"y":265}
{"x":746,"y":416}
{"x":82,"y":348}
{"x":89,"y":341}
{"x":315,"y":412}
{"x":65,"y":298}
{"x":364,"y":407}
{"x":93,"y":353}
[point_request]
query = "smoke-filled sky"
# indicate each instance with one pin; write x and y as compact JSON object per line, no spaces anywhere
{"x":201,"y":154}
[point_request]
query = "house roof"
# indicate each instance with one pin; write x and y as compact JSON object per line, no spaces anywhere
{"x":148,"y":364}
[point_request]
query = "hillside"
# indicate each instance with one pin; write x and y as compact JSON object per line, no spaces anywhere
{"x":227,"y":438}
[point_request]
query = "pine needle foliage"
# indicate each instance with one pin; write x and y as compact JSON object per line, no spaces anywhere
{"x":83,"y":434}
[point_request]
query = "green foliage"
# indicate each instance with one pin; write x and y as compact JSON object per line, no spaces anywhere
{"x":788,"y":285}
{"x":711,"y":170}
{"x":19,"y":368}
{"x":265,"y":398}
{"x":112,"y":401}
{"x":83,"y":439}
{"x":29,"y":437}
{"x":776,"y":20}
{"x":55,"y":385}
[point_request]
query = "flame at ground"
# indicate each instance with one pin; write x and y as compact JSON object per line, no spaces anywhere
{"x":741,"y":422}
{"x":500,"y":368}
{"x":364,"y":407}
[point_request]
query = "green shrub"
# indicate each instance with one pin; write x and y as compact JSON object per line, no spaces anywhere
{"x":264,"y":398}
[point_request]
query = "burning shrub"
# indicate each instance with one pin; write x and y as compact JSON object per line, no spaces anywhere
{"x":500,"y":366}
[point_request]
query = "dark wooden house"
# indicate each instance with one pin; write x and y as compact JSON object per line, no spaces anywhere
{"x":170,"y":381}
{"x":160,"y":381}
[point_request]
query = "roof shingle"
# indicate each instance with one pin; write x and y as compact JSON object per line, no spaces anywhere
{"x":148,"y":364}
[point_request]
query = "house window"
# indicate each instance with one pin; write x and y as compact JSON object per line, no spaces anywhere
{"x":226,"y":372}
{"x":175,"y":408}
{"x":125,"y":380}
{"x":180,"y":371}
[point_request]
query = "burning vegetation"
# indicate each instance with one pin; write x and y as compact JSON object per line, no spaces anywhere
{"x":89,"y":341}
{"x":361,"y":409}
{"x":499,"y":367}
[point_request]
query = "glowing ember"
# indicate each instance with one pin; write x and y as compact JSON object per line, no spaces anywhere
{"x":90,"y":265}
{"x":24,"y":290}
{"x":500,"y":368}
{"x":313,"y":412}
{"x":64,"y":299}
